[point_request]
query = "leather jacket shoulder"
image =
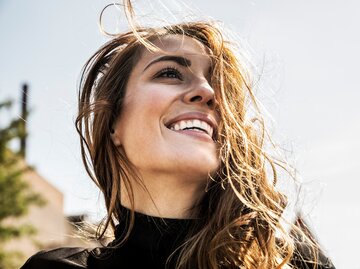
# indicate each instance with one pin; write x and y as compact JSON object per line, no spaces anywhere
{"x":60,"y":258}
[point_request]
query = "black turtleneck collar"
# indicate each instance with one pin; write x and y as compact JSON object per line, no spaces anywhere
{"x":152,"y":240}
{"x":151,"y":225}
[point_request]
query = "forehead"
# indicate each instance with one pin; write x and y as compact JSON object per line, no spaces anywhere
{"x":180,"y":45}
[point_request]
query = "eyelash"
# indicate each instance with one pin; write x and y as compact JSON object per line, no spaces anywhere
{"x":164,"y":73}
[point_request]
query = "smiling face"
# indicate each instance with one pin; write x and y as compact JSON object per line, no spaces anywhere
{"x":168,"y":119}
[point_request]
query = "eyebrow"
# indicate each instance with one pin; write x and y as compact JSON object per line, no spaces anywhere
{"x":178,"y":59}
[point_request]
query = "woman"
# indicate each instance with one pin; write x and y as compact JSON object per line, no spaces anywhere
{"x":166,"y":136}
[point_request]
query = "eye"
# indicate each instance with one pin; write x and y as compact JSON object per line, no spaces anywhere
{"x":169,"y":72}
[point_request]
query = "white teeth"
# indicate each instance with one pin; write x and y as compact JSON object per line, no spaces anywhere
{"x":205,"y":126}
{"x":197,"y":123}
{"x":181,"y":125}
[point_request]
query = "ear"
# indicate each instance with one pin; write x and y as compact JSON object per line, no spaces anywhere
{"x":114,"y":134}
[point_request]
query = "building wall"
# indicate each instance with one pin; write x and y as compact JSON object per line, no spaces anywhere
{"x":53,"y":228}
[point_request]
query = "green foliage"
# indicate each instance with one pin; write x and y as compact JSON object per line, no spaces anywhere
{"x":15,"y":194}
{"x":9,"y":260}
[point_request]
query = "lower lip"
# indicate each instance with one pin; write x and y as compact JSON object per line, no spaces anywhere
{"x":196,"y":134}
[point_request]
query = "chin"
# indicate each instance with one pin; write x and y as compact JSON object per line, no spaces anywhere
{"x":201,"y":168}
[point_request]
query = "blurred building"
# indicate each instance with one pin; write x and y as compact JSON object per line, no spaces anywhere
{"x":54,"y":229}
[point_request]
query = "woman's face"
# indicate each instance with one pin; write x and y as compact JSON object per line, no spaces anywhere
{"x":168,"y":118}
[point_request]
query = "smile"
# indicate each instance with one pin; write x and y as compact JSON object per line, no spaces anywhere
{"x":195,"y":125}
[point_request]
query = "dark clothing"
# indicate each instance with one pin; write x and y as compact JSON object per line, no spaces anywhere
{"x":151,"y":242}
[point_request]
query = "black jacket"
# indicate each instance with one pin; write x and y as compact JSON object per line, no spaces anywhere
{"x":151,"y":242}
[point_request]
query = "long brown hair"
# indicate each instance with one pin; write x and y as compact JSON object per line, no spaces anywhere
{"x":240,"y":213}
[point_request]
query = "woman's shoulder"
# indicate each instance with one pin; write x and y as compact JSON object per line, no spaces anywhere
{"x":59,"y":258}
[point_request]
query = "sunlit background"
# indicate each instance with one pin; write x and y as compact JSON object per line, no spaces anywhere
{"x":308,"y":55}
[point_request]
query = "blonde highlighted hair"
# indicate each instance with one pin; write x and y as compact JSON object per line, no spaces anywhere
{"x":239,"y":217}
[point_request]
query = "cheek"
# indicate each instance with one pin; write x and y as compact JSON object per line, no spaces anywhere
{"x":141,"y":118}
{"x":150,"y":101}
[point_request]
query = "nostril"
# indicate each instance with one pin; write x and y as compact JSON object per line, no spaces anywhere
{"x":196,"y":99}
{"x":210,"y":103}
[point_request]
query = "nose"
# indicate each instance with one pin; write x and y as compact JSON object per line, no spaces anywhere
{"x":201,"y":93}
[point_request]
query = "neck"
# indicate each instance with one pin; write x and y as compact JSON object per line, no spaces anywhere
{"x":165,"y":196}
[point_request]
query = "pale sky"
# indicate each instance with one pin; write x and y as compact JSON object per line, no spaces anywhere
{"x":308,"y":52}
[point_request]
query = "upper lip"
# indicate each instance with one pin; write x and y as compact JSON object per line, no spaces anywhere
{"x":209,"y":119}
